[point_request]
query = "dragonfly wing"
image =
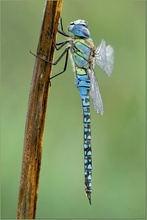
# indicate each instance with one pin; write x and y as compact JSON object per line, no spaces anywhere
{"x":110,"y":60}
{"x":105,"y":57}
{"x":100,"y":55}
{"x":95,"y":94}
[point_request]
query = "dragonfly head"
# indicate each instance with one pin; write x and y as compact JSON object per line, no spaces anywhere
{"x":79,"y":28}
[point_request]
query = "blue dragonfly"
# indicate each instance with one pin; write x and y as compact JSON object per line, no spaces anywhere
{"x":84,"y":55}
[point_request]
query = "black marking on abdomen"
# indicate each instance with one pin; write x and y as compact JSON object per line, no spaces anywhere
{"x":83,"y":85}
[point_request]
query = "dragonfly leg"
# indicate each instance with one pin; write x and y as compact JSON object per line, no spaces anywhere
{"x":60,"y":44}
{"x":61,"y":24}
{"x":41,"y":58}
{"x":62,"y":32}
{"x":65,"y":64}
{"x":47,"y":61}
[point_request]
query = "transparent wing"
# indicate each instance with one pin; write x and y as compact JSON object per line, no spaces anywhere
{"x":95,"y":94}
{"x":105,"y":57}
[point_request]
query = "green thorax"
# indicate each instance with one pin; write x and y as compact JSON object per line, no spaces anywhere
{"x":82,"y":53}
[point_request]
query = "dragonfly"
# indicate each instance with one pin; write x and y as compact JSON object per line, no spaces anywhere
{"x":84,"y":54}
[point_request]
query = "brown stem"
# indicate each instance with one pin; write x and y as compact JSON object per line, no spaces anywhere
{"x":28,"y":191}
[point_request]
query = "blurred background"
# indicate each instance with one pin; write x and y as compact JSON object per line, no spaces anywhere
{"x":118,"y":137}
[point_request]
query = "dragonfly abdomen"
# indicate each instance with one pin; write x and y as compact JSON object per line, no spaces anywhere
{"x":83,"y":85}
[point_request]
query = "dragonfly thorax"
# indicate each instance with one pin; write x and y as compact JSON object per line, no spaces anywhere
{"x":81,"y":53}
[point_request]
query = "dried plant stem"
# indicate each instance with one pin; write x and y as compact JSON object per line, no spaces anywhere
{"x":28,"y":191}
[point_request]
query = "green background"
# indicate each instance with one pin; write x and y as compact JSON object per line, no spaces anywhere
{"x":117,"y":136}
